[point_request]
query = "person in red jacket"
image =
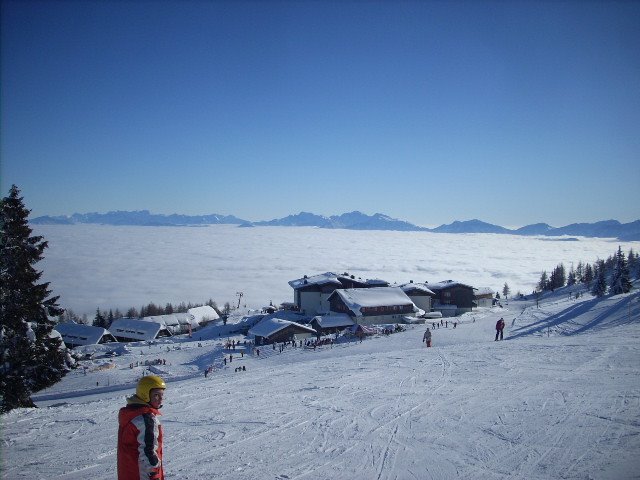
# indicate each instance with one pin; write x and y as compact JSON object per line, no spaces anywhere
{"x":140,"y":432}
{"x":500,"y":329}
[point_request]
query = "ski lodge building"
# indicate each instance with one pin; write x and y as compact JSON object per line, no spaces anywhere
{"x":203,"y":315}
{"x":77,"y":334}
{"x":333,"y":323}
{"x":420,"y":294}
{"x":452,"y":298}
{"x":311,"y":294}
{"x":136,"y":330}
{"x":370,"y":306}
{"x":484,"y":297}
{"x":273,"y":330}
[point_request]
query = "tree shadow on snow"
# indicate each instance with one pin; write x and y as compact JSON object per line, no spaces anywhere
{"x":599,"y":313}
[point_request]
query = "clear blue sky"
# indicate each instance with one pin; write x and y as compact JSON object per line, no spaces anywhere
{"x":510,"y":112}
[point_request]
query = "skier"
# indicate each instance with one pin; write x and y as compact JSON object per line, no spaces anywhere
{"x":427,"y":337}
{"x":500,"y":329}
{"x":140,"y":432}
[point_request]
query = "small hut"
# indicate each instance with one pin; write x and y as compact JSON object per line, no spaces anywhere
{"x":327,"y":324}
{"x":273,"y":330}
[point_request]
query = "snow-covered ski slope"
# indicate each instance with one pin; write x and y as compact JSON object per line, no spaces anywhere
{"x":558,"y":398}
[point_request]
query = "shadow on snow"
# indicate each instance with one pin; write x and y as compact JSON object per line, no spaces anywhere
{"x":599,"y":313}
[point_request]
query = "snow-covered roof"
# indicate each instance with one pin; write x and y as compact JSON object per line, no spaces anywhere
{"x":377,"y":282}
{"x":136,"y":329}
{"x":447,"y":284}
{"x":484,"y":291}
{"x":357,"y":298}
{"x":203,"y":314}
{"x":321,"y":279}
{"x":330,"y":278}
{"x":421,"y":287}
{"x":172,"y":320}
{"x":269,"y":326}
{"x":334,"y":320}
{"x":79,"y":334}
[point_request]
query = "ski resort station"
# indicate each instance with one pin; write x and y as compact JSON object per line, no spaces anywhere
{"x":326,"y":303}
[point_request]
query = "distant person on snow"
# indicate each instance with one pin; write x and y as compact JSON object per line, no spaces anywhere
{"x":427,"y":337}
{"x":140,"y":432}
{"x":500,"y":329}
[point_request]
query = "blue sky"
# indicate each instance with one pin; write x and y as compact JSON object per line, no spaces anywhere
{"x":510,"y":112}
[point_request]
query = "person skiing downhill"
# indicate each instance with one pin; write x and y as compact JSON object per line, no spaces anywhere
{"x":140,"y":432}
{"x":500,"y":329}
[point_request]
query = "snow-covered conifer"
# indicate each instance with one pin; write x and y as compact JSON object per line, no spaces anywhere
{"x":634,"y":264}
{"x":99,"y":320}
{"x":558,"y":278}
{"x":579,"y":272}
{"x":620,"y":279}
{"x":588,"y":275}
{"x":543,"y":283}
{"x":600,"y":284}
{"x":506,"y":291}
{"x":30,"y":359}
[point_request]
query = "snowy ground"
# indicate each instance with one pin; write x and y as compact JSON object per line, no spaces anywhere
{"x":559,"y":398}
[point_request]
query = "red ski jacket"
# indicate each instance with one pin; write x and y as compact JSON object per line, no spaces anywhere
{"x":139,"y":442}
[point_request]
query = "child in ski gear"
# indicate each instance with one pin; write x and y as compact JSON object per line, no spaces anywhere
{"x":500,"y":329}
{"x":140,"y":432}
{"x":427,"y":337}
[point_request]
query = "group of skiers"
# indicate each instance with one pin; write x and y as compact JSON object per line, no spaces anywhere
{"x":426,"y":338}
{"x":140,"y":431}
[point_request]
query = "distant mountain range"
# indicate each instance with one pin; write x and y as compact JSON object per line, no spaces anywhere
{"x":351,"y":221}
{"x":140,"y":217}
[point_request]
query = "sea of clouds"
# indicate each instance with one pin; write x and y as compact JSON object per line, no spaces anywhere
{"x":97,"y":266}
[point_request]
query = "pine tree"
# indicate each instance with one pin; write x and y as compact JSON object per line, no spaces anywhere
{"x":580,"y":272}
{"x":558,"y":278}
{"x":99,"y":320}
{"x":633,"y":264}
{"x":588,"y":275}
{"x":600,"y":284}
{"x":620,"y":280}
{"x":506,"y":291}
{"x":543,"y":284}
{"x":571,"y":278}
{"x":30,"y":358}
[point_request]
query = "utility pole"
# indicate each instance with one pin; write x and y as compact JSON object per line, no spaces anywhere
{"x":240,"y":295}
